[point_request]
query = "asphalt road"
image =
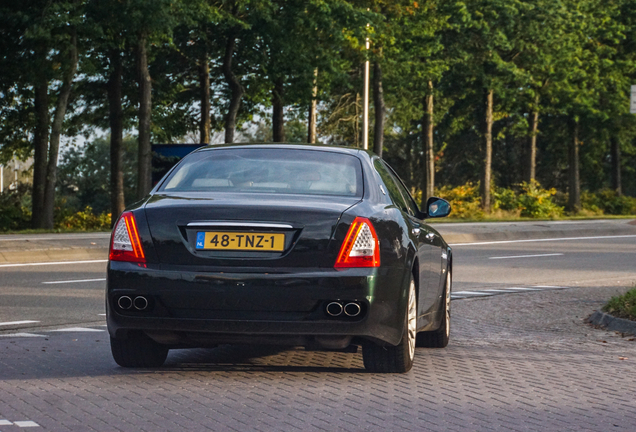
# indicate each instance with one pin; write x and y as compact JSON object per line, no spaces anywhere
{"x":521,"y":357}
{"x":573,"y":262}
{"x":50,"y":295}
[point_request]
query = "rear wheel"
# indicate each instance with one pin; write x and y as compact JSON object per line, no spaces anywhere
{"x":138,"y":350}
{"x":395,"y":359}
{"x":439,"y":338}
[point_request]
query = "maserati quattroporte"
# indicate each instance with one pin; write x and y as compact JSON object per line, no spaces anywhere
{"x":314,"y":246}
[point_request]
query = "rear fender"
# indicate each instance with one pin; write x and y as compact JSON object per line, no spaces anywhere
{"x":410,"y":262}
{"x":440,"y":307}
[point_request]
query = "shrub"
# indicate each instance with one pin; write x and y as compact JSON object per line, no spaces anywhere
{"x":623,"y":306}
{"x":530,"y":201}
{"x":465,"y":201}
{"x":536,"y":202}
{"x":14,"y":210}
{"x":608,"y":202}
{"x":505,"y":199}
{"x":85,"y":220}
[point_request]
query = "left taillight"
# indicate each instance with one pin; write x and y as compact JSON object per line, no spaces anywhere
{"x":125,"y":243}
{"x":361,"y":247}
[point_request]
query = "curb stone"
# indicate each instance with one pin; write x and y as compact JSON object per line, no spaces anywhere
{"x":610,"y":322}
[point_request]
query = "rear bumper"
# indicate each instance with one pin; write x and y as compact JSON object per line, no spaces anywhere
{"x":288,"y":307}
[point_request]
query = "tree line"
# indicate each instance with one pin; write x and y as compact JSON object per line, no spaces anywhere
{"x":488,"y":91}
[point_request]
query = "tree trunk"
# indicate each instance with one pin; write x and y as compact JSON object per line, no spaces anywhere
{"x":616,"y":165}
{"x":278,"y":120}
{"x":574,"y":190}
{"x":532,"y":150}
{"x":204,"y":80}
{"x":116,"y":119}
{"x":379,"y":108}
{"x":40,"y":144}
{"x":56,"y":131}
{"x":144,"y":173}
{"x":486,"y":179}
{"x":311,"y":123}
{"x":236,"y":90}
{"x":429,"y":152}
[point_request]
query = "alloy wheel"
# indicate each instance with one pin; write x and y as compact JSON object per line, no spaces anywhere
{"x":448,"y":302}
{"x":412,"y":320}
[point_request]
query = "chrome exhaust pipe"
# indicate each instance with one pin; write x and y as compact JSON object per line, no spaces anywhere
{"x":352,"y":309}
{"x":124,"y":302}
{"x":140,"y":303}
{"x":334,"y":309}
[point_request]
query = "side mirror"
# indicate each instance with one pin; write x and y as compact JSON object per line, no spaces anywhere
{"x":437,"y":207}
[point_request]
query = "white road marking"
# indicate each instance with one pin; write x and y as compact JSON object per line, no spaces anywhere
{"x":78,"y":329}
{"x":525,"y":256}
{"x":53,"y":263}
{"x":523,"y":289}
{"x":458,"y":295}
{"x":75,"y":281}
{"x":542,"y":240}
{"x":506,"y":290}
{"x":27,"y":423}
{"x":477,"y":293}
{"x":57,"y":237}
{"x":5,"y":423}
{"x":17,"y":323}
{"x":21,"y":335}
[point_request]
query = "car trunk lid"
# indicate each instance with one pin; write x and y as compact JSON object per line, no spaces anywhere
{"x":230,"y":230}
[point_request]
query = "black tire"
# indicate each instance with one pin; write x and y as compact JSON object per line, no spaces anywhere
{"x":138,"y":351}
{"x":439,"y":338}
{"x":395,"y":359}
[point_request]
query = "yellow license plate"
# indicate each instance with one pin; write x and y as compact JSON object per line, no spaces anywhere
{"x":240,"y":241}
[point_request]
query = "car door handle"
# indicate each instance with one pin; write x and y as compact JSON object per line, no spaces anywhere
{"x":416,"y":232}
{"x":430,"y":236}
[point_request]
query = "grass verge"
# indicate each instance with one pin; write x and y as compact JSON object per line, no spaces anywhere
{"x":623,"y":306}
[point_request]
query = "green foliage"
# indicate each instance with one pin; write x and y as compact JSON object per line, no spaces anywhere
{"x":14,"y":210}
{"x":84,"y":175}
{"x":465,"y":201}
{"x":85,"y":220}
{"x":529,"y":201}
{"x":566,"y":60}
{"x":623,"y":306}
{"x":505,"y":199}
{"x":536,"y":202}
{"x":608,"y":202}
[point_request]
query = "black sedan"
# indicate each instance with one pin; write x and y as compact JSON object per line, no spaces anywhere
{"x":314,"y":246}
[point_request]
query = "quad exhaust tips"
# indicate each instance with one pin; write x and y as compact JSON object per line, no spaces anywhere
{"x":350,"y":309}
{"x":140,"y":303}
{"x":334,"y":309}
{"x":126,"y":303}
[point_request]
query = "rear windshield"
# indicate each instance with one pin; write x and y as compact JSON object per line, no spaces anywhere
{"x":285,"y":171}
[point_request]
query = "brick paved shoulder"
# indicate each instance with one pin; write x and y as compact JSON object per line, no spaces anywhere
{"x":515,"y":363}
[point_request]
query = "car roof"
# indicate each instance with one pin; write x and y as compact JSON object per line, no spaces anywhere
{"x":287,"y":146}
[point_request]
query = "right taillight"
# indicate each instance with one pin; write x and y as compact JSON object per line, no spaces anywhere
{"x":361,"y":247}
{"x":125,"y":244}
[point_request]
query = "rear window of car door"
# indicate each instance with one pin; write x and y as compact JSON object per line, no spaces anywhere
{"x":410,"y":202}
{"x":393,"y":186}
